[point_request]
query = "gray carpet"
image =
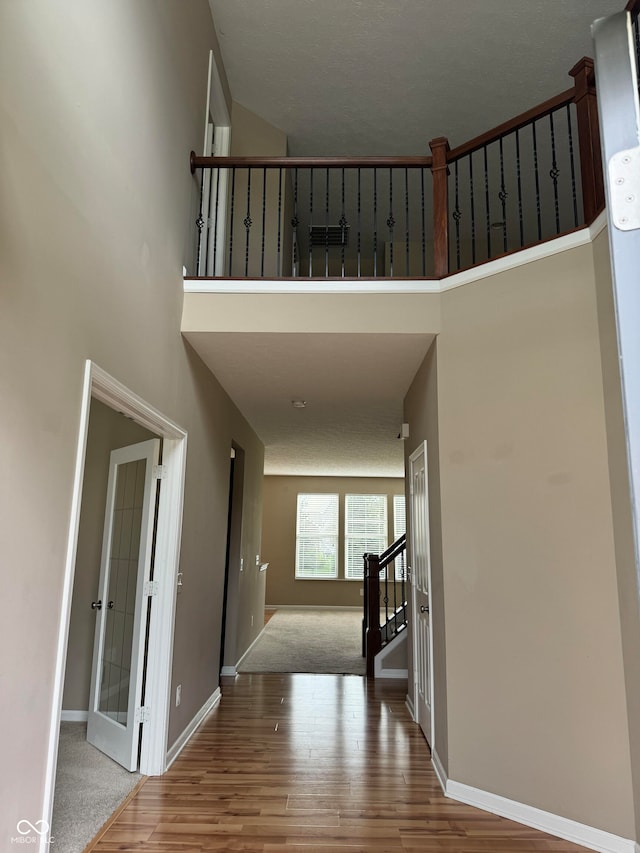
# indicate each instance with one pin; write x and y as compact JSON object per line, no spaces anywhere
{"x":89,"y":788}
{"x":309,"y":641}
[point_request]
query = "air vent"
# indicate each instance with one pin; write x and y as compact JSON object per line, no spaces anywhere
{"x":329,"y":235}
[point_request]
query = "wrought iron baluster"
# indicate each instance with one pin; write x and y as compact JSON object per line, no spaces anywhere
{"x":519,"y":179}
{"x":486,"y":200}
{"x":233,"y":201}
{"x":278,"y":262}
{"x":199,"y":226}
{"x":536,"y":172}
{"x":424,"y":230}
{"x":406,"y":217}
{"x":264,"y":218}
{"x":326,"y":227}
{"x":473,"y":212}
{"x":343,"y":229}
{"x":502,"y":195}
{"x":390,"y":222}
{"x":295,"y":222}
{"x":375,"y":222}
{"x":248,"y":222}
{"x":386,"y":600}
{"x":215,"y":224}
{"x":554,"y":173}
{"x":574,"y":194}
{"x":359,"y":219}
{"x":457,"y":213}
{"x":311,"y":175}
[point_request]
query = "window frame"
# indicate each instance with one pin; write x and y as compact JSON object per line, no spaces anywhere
{"x":320,"y":537}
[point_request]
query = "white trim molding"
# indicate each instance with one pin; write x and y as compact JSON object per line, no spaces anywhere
{"x":440,"y":773}
{"x":409,"y":705}
{"x":561,"y":827}
{"x":228,"y":671}
{"x":380,"y":285}
{"x":74,"y":716}
{"x":193,"y":726}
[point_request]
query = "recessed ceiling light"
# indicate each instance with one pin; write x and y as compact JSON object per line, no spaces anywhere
{"x":298,"y":404}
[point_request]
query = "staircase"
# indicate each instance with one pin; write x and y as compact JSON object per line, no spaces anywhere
{"x":385,"y":600}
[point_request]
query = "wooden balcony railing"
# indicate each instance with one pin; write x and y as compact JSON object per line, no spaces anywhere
{"x":385,"y":599}
{"x":528,"y":180}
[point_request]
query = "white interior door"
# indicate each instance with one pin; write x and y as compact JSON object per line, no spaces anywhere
{"x":118,"y":653}
{"x":421,"y":587}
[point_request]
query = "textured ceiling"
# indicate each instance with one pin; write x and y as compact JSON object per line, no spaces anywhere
{"x":349,"y":77}
{"x":353,"y":386}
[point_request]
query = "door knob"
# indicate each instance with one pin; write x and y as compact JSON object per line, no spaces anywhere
{"x":423,"y":609}
{"x":96,"y":605}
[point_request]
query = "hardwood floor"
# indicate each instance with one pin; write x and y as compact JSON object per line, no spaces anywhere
{"x":309,"y":763}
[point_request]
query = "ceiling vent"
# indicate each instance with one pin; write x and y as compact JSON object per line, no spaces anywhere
{"x":329,"y":235}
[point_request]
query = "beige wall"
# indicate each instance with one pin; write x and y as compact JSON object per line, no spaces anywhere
{"x":535,"y":687}
{"x":279,"y":538}
{"x":108,"y":430}
{"x":620,"y":503}
{"x":101,"y":104}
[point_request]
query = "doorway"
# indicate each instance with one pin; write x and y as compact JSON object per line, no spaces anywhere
{"x":233,"y":564}
{"x":101,"y":387}
{"x":421,"y":593}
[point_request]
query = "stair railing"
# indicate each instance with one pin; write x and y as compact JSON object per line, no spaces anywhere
{"x":385,"y":599}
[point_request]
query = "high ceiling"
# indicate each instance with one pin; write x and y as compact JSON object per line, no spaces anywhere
{"x":356,"y":77}
{"x":372,"y":77}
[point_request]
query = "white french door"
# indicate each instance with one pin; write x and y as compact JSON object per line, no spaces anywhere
{"x":121,"y":606}
{"x":420,"y":590}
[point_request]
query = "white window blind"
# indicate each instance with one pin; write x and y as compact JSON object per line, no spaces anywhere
{"x":365,"y":531}
{"x":317,"y":536}
{"x":399,"y":527}
{"x":399,"y":516}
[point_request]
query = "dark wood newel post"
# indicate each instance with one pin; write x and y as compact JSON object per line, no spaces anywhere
{"x":372,"y":580}
{"x":439,"y":150}
{"x":589,"y":138}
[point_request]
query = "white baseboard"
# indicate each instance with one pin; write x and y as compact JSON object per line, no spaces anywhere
{"x":74,"y":716}
{"x":183,"y":739}
{"x":246,"y":652}
{"x":437,"y":766}
{"x":229,"y":671}
{"x":412,"y":711}
{"x":312,"y":607}
{"x":391,"y":673}
{"x":561,"y":827}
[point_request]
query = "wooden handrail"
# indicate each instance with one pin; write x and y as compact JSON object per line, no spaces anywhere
{"x":513,"y":124}
{"x":198,"y":162}
{"x":633,"y":6}
{"x":393,"y":551}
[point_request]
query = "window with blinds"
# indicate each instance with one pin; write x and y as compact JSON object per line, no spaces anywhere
{"x":365,"y":531}
{"x":399,"y":527}
{"x":317,"y":536}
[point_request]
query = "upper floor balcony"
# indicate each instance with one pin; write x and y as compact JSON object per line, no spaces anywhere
{"x":527,"y":181}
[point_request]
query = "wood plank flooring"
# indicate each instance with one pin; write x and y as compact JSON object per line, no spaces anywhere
{"x":309,"y":763}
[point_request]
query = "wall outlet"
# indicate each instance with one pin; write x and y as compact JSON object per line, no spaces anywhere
{"x":257,"y":559}
{"x":252,"y":621}
{"x":241,"y":564}
{"x":178,"y":694}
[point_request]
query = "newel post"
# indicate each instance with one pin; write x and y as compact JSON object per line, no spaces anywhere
{"x":589,"y":138}
{"x":374,"y":640}
{"x":440,"y":172}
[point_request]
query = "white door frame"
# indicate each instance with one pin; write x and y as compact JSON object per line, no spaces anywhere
{"x":419,"y":451}
{"x":153,"y":758}
{"x":214,"y":184}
